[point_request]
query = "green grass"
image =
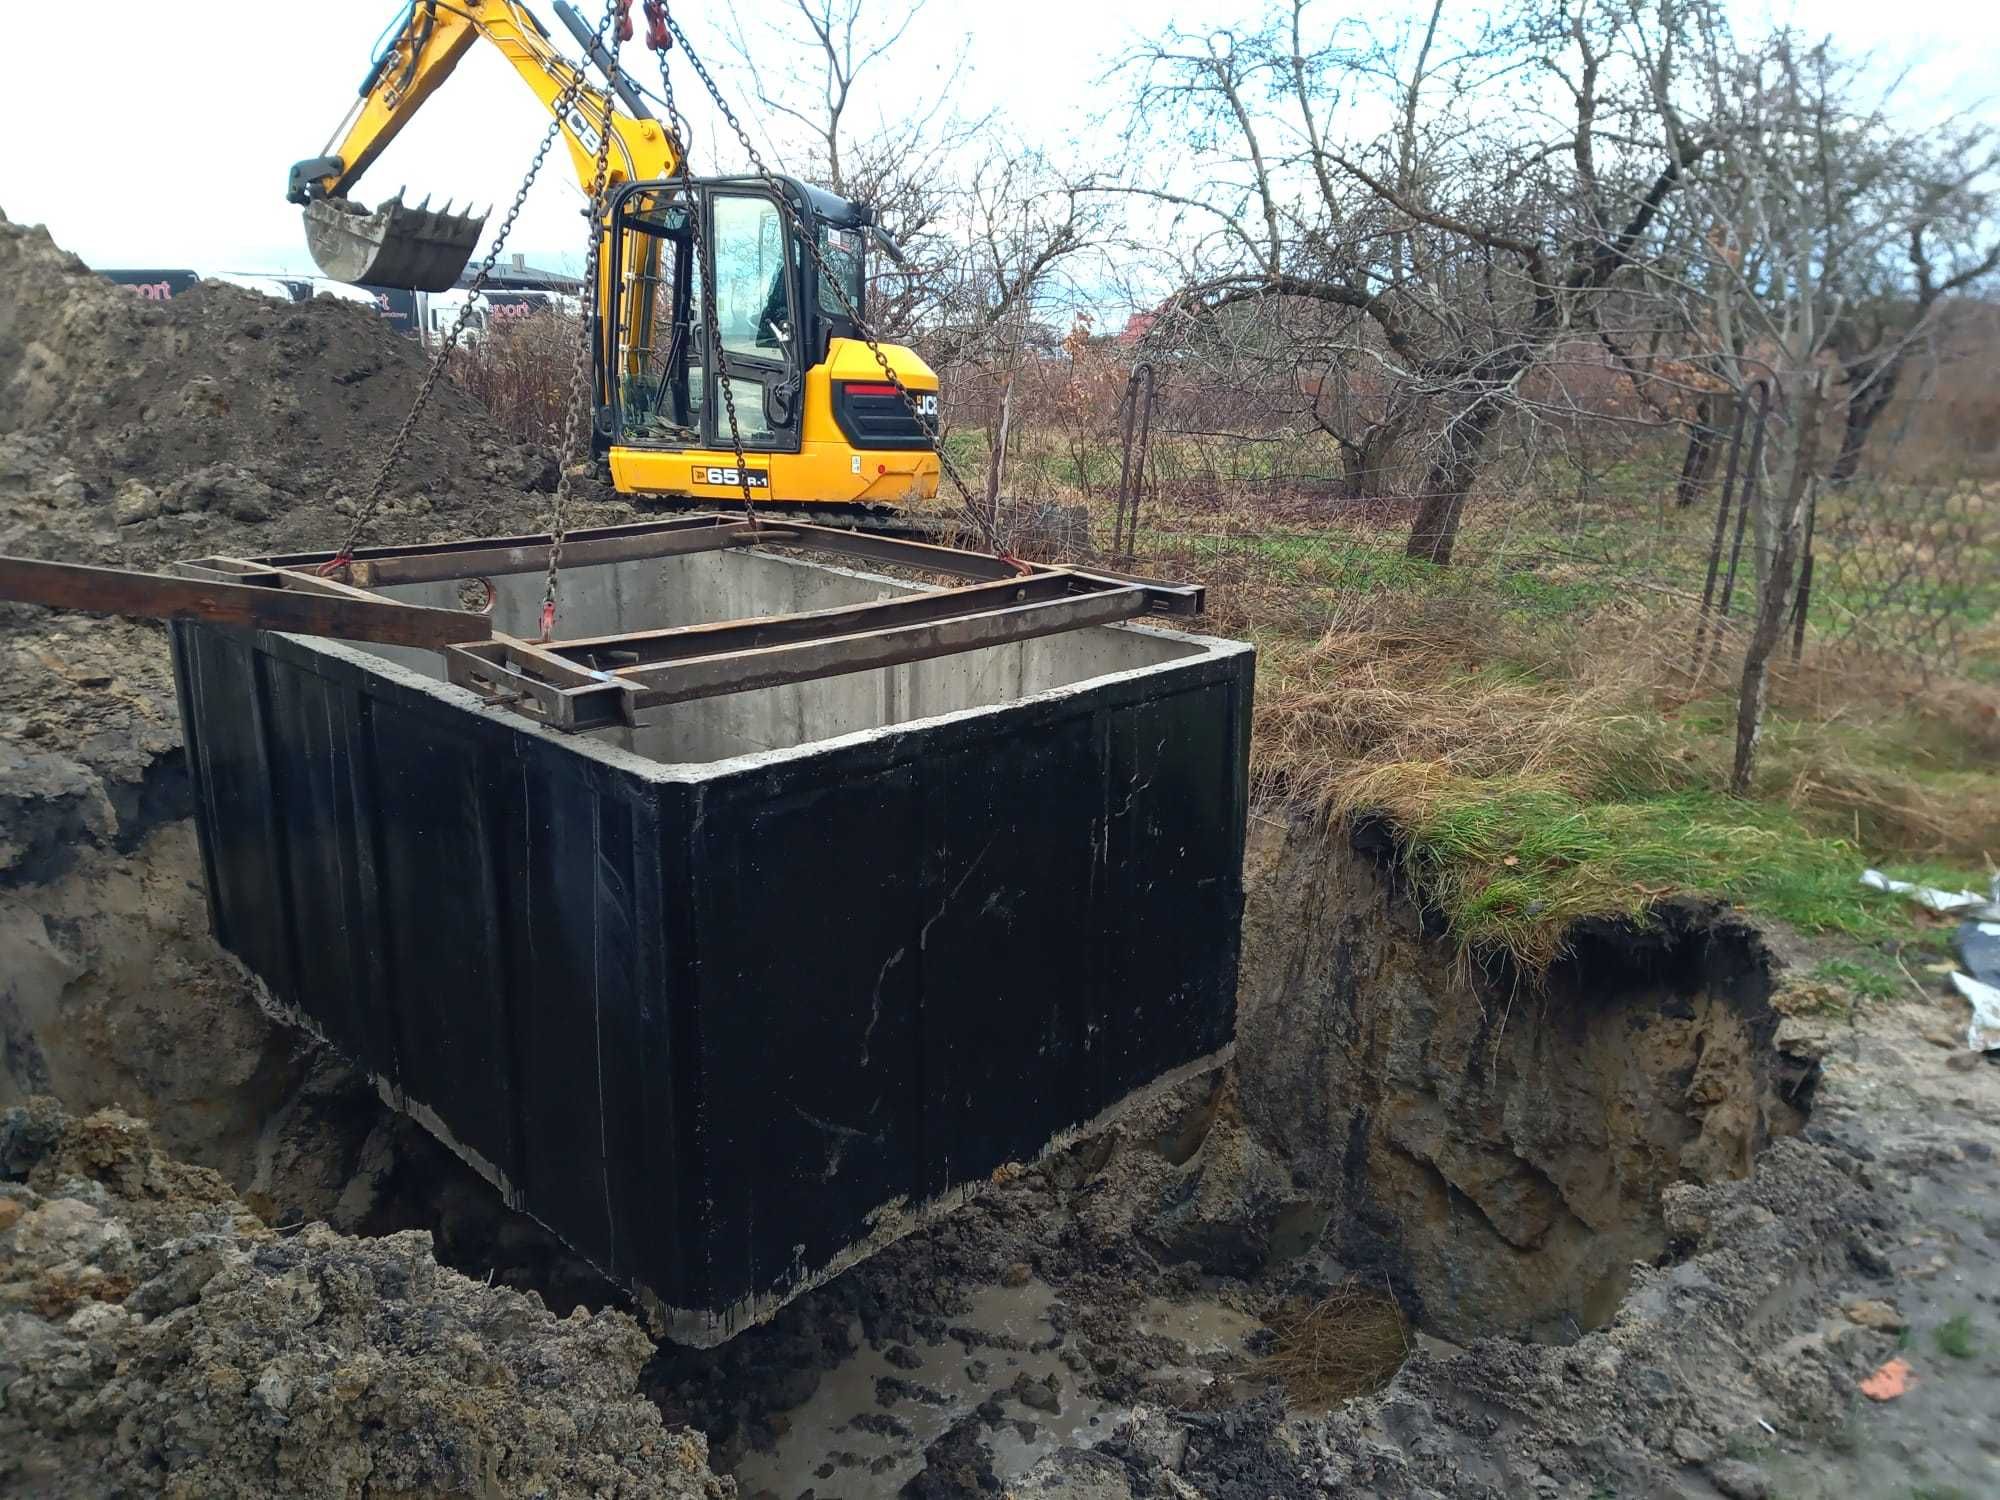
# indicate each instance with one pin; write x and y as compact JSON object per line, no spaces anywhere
{"x":1513,"y":865}
{"x":1954,"y":1337}
{"x":1868,"y":981}
{"x":1939,"y":1492}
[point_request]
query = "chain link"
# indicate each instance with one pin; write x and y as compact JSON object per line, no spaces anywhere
{"x":711,"y":333}
{"x":372,"y":502}
{"x":579,"y":380}
{"x":973,"y":512}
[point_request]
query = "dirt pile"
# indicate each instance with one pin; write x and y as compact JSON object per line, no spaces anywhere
{"x":137,"y":431}
{"x":155,"y":1337}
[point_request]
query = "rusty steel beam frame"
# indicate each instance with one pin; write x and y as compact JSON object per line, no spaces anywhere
{"x":495,"y":557}
{"x":618,"y":653}
{"x":256,"y":599}
{"x":657,"y":687}
{"x":629,"y":678}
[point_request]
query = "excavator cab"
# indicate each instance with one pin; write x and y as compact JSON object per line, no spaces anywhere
{"x":785,"y":317}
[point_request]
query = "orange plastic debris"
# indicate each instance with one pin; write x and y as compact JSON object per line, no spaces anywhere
{"x":1892,"y":1380}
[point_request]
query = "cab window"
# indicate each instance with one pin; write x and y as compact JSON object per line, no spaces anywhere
{"x":752,"y":291}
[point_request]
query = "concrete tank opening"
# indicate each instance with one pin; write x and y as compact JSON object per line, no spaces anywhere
{"x":707,"y":587}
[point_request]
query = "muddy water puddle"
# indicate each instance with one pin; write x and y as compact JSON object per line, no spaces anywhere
{"x":864,"y":1430}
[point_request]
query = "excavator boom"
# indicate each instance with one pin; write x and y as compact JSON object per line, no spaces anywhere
{"x":426,"y":249}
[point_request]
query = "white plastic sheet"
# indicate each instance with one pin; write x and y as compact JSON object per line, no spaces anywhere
{"x":1984,"y":1033}
{"x":1925,"y":895}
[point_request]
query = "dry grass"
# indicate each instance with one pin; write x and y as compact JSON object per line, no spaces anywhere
{"x":1547,"y":770}
{"x":1347,"y":1344}
{"x":1395,"y":709}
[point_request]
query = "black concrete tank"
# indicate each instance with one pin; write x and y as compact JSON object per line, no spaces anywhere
{"x":729,"y":1021}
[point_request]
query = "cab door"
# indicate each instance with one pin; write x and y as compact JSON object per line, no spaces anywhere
{"x":757,"y":296}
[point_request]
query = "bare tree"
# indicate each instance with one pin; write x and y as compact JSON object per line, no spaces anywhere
{"x":1529,"y":166}
{"x":1946,"y":215}
{"x":829,"y":68}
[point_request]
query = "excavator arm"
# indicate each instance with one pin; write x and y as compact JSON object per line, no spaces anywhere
{"x":426,"y":249}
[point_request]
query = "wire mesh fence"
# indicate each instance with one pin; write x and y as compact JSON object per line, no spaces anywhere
{"x":1902,"y":560}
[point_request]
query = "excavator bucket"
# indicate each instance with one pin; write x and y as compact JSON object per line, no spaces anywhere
{"x":395,"y":246}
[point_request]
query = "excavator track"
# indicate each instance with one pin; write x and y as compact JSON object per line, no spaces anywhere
{"x":884,"y":520}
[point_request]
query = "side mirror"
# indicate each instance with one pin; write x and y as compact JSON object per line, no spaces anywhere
{"x":889,"y":246}
{"x":781,"y":402}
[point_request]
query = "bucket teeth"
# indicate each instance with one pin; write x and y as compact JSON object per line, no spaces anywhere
{"x":395,"y":246}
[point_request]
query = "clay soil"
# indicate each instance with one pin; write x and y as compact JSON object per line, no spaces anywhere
{"x":1639,"y":1230}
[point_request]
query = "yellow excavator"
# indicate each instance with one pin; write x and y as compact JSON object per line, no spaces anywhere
{"x":753,"y":285}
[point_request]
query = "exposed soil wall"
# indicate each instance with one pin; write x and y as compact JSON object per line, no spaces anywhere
{"x":1494,"y":1148}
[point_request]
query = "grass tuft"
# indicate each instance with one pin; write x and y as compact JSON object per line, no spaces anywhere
{"x":1866,"y":981}
{"x":1347,"y":1344}
{"x":1954,"y":1337}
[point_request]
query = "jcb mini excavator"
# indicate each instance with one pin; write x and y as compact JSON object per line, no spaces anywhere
{"x":825,"y":432}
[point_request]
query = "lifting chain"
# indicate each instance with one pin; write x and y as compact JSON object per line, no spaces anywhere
{"x":657,"y":22}
{"x":580,"y":393}
{"x":973,"y":512}
{"x":371,"y":503}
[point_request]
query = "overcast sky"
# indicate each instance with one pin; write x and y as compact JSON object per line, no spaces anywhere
{"x":146,"y":134}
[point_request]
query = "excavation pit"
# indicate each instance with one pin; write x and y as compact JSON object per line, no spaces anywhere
{"x":1499,"y":1148}
{"x":730,"y":998}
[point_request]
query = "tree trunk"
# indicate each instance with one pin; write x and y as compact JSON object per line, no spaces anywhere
{"x":1775,"y":598}
{"x":996,"y":462}
{"x":1449,"y":479}
{"x":1871,"y":386}
{"x":1364,"y":466}
{"x":1704,"y":443}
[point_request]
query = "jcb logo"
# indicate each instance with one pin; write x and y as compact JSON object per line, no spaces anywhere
{"x":712,"y":474}
{"x":926,"y":403}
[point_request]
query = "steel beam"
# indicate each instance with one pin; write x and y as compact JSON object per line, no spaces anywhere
{"x":494,"y":557}
{"x":658,"y":686}
{"x":281,"y":603}
{"x":638,"y":648}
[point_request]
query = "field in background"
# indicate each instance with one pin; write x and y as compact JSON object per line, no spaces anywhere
{"x":1551,"y":720}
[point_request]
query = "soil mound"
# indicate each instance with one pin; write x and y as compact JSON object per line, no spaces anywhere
{"x":156,"y":1338}
{"x":135,"y":431}
{"x":222,"y":422}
